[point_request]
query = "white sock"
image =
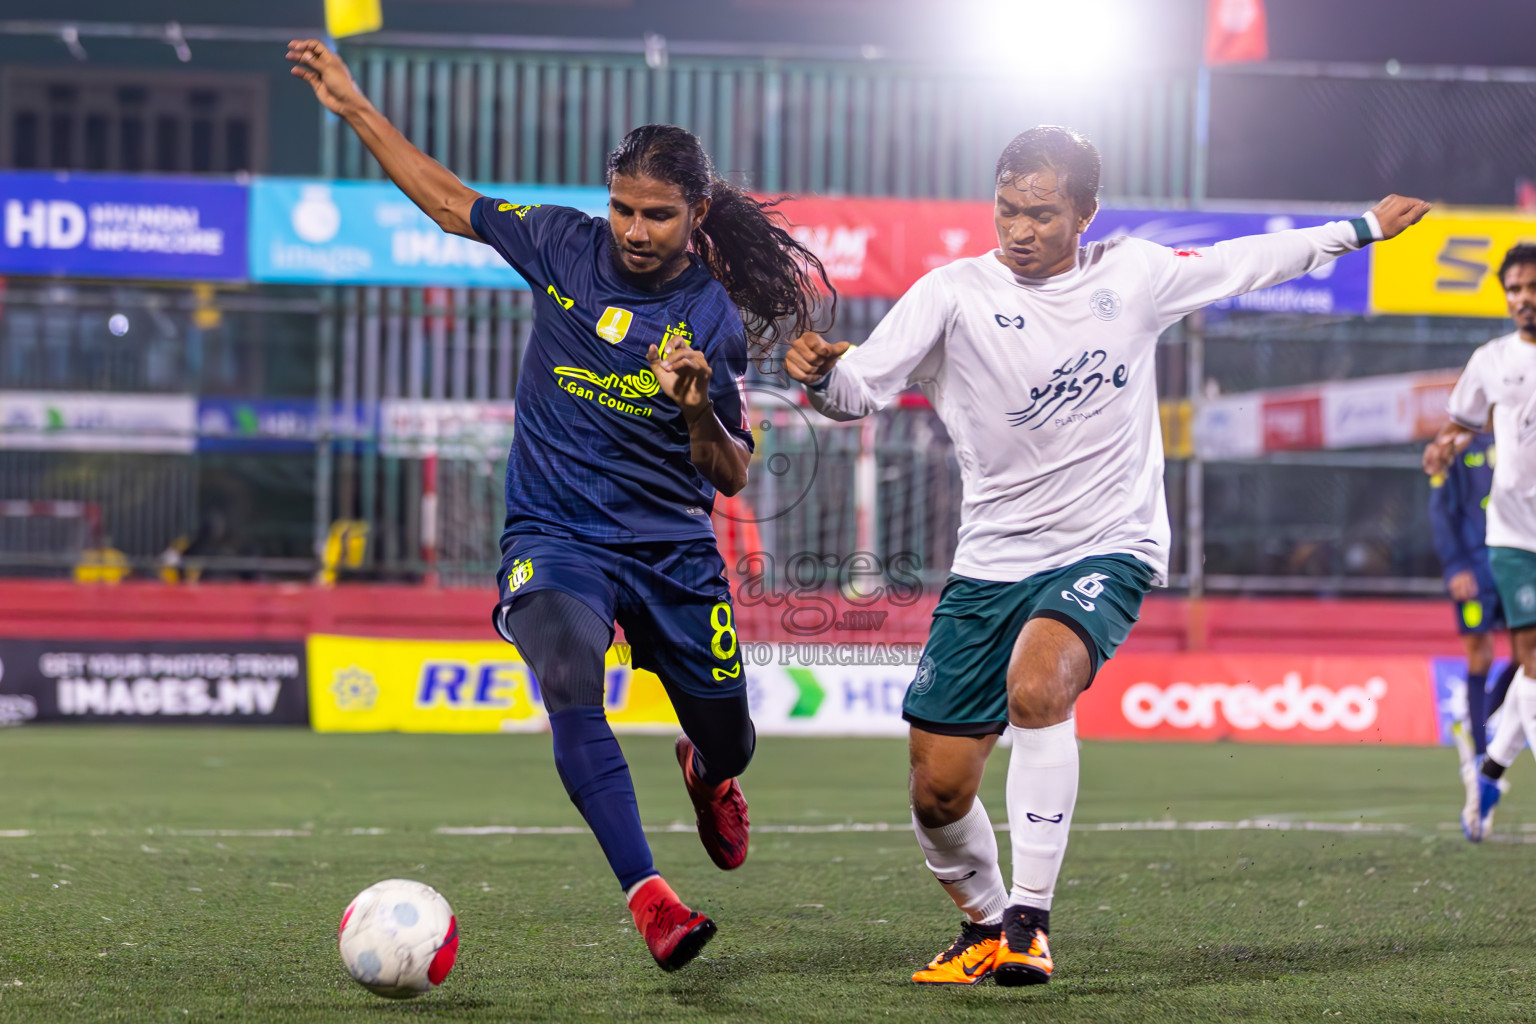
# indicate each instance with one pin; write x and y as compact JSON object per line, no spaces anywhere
{"x":1524,"y":688}
{"x":1042,"y":790}
{"x":963,"y":857}
{"x":629,"y":894}
{"x":1504,"y":746}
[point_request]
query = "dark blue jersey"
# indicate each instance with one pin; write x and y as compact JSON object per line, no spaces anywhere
{"x":1458,"y":512}
{"x":599,"y":453}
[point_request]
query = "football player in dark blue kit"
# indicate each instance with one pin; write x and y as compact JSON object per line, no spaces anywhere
{"x":631,"y":415}
{"x":1458,"y":502}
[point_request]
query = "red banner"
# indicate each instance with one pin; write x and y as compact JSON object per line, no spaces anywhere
{"x":879,"y":247}
{"x":1261,"y":698}
{"x":1235,"y":31}
{"x":1293,"y":422}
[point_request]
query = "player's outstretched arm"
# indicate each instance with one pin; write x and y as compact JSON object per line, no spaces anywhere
{"x":1184,"y":280}
{"x":429,"y":184}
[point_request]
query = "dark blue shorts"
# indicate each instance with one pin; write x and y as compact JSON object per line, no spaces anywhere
{"x":1483,"y":614}
{"x":671,"y":598}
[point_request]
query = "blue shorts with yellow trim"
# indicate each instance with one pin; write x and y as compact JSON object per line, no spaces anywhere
{"x":671,"y":598}
{"x":1483,"y":614}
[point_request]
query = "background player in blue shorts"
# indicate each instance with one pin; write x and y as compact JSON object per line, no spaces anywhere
{"x":631,"y":414}
{"x":1458,"y":516}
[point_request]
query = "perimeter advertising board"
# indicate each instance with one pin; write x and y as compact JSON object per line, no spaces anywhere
{"x":1448,"y":264}
{"x":315,"y":231}
{"x":809,"y":689}
{"x":136,"y":228}
{"x":359,"y":684}
{"x":242,"y":683}
{"x":1262,"y":698}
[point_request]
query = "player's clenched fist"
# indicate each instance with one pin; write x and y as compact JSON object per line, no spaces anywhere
{"x":326,"y":73}
{"x":1396,"y":214}
{"x":811,"y":357}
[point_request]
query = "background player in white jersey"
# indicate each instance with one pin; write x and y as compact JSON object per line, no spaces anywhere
{"x":1500,"y":379}
{"x":1039,"y":359}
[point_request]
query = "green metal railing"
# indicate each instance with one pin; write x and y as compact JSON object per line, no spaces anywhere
{"x":852,"y":128}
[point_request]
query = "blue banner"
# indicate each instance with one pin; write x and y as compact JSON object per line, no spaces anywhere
{"x":121,"y":227}
{"x":365,"y":232}
{"x":1340,"y":287}
{"x":1450,"y":677}
{"x":275,"y":424}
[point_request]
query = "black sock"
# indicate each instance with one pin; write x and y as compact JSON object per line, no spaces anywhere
{"x":1033,"y":917}
{"x":1492,"y":769}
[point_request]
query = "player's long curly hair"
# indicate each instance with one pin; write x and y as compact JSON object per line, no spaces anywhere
{"x":776,"y":282}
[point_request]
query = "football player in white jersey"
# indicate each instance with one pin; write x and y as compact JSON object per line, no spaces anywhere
{"x":1039,"y":359}
{"x":1500,"y":380}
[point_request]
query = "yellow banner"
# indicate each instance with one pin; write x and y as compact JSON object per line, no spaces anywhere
{"x":352,"y":17}
{"x":1448,"y":264}
{"x":359,"y":684}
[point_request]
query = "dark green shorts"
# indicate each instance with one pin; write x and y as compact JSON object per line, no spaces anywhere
{"x":1514,"y":573}
{"x":961,"y":687}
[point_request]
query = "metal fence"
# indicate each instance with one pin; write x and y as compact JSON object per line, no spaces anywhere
{"x":872,"y":129}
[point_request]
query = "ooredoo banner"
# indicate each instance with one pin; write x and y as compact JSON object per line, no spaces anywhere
{"x":244,"y":683}
{"x":1262,"y":698}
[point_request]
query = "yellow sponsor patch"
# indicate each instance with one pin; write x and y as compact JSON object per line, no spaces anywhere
{"x":613,"y":325}
{"x":521,"y":212}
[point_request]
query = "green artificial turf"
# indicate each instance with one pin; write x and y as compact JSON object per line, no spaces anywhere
{"x":111,"y":911}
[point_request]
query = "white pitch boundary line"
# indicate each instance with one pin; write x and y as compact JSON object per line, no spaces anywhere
{"x":1522,"y":834}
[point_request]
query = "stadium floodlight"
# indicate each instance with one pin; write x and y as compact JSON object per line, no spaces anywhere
{"x":1050,"y":40}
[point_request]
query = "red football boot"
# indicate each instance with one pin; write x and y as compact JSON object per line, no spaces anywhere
{"x":721,"y":812}
{"x":674,"y":933}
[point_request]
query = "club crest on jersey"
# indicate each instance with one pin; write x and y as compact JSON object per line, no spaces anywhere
{"x":520,"y":573}
{"x":677,"y":336}
{"x":613,"y":325}
{"x":1105,"y":303}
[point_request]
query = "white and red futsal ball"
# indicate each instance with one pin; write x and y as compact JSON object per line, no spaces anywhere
{"x":399,"y":938}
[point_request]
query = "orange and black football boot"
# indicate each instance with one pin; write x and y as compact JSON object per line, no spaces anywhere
{"x":1024,"y":955}
{"x":674,"y":934}
{"x":721,"y":812}
{"x":966,"y":962}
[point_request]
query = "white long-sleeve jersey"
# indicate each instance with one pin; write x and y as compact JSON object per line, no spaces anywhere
{"x":1501,"y":377}
{"x":1048,"y":391}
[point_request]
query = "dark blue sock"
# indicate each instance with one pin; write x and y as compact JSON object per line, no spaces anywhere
{"x":1477,"y":711}
{"x":592,"y":766}
{"x":1500,"y":688}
